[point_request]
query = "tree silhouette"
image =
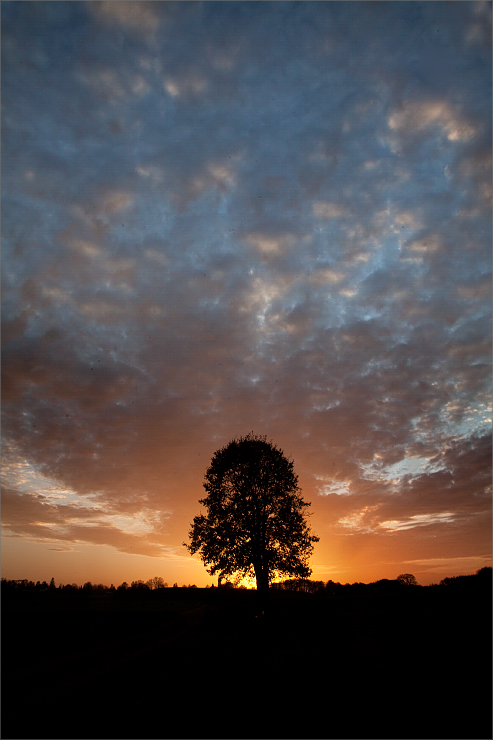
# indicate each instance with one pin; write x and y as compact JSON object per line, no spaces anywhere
{"x":255,"y":525}
{"x":407,"y":579}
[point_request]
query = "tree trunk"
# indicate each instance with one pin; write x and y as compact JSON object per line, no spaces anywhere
{"x":262,"y":577}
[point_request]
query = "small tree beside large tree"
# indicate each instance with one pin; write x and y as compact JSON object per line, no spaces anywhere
{"x":255,"y":523}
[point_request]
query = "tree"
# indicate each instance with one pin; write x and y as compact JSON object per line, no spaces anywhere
{"x":485,"y":573}
{"x":407,"y":579}
{"x":255,"y":523}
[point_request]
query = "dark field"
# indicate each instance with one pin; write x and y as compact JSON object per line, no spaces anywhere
{"x":198,"y":663}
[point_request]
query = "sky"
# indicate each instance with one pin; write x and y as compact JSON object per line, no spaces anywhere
{"x":229,"y":217}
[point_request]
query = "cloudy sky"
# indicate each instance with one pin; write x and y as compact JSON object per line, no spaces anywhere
{"x":245,"y":216}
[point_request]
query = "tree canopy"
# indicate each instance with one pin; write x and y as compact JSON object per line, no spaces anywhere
{"x":407,"y":579}
{"x":255,"y":523}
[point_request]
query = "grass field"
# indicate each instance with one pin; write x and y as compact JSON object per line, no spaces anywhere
{"x":200,"y":663}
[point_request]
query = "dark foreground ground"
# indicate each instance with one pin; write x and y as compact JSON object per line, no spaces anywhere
{"x":193,"y":663}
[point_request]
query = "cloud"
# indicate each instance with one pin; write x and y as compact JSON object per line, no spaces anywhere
{"x":141,"y":18}
{"x":211,"y":227}
{"x":44,"y":519}
{"x":418,"y":520}
{"x":328,"y":210}
{"x":417,"y":115}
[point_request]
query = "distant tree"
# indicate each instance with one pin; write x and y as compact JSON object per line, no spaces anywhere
{"x":469,"y":583}
{"x":100,"y":588}
{"x":7,"y":585}
{"x":255,"y":523}
{"x":448,"y":581}
{"x":156,"y":582}
{"x":407,"y":579}
{"x":52,"y":583}
{"x":485,"y":573}
{"x":383,"y":586}
{"x":304,"y":585}
{"x":457,"y":582}
{"x":331,"y":588}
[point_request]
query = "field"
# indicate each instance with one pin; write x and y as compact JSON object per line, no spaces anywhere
{"x":200,"y":663}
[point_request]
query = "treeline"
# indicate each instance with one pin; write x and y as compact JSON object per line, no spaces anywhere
{"x":482,"y":579}
{"x":152,"y":584}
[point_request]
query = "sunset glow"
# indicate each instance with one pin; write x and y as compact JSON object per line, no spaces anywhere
{"x":226,"y":217}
